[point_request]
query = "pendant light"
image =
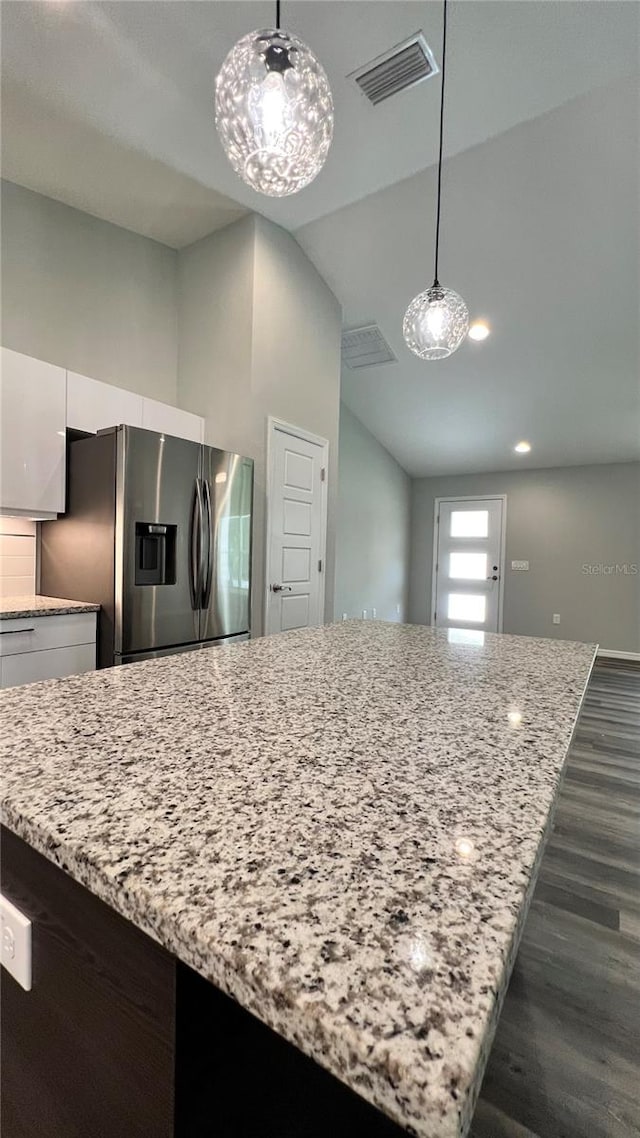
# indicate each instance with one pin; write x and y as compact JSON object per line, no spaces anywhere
{"x":274,"y":111}
{"x":437,"y":320}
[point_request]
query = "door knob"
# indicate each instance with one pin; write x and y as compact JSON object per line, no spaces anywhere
{"x":493,"y":578}
{"x":281,"y":588}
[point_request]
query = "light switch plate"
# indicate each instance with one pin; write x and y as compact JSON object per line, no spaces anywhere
{"x":522,"y":565}
{"x":15,"y":943}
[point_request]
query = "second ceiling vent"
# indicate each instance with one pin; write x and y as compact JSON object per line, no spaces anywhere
{"x":399,"y":68}
{"x":365,"y":347}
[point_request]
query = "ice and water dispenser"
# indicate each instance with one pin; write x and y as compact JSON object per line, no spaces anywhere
{"x":155,"y":553}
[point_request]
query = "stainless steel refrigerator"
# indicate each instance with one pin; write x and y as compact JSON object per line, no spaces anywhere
{"x":158,"y":532}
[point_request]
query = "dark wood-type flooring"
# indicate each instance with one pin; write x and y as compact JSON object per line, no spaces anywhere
{"x":566,"y":1057}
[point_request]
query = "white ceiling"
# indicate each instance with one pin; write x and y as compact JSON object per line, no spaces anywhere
{"x":47,"y":148}
{"x":108,"y":107}
{"x":141,"y":76}
{"x":540,"y":235}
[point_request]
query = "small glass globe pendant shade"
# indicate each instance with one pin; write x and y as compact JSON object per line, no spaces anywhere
{"x":274,"y":112}
{"x":435,"y":323}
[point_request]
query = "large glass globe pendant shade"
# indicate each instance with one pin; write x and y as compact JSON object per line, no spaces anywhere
{"x":274,"y":112}
{"x":435,"y":323}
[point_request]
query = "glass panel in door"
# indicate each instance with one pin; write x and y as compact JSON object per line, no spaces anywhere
{"x":468,"y":569}
{"x":469,"y":523}
{"x":466,"y":566}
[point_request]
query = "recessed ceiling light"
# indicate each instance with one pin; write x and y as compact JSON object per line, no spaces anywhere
{"x":479,"y":330}
{"x":522,"y":447}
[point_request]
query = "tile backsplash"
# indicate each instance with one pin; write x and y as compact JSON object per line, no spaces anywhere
{"x":17,"y":557}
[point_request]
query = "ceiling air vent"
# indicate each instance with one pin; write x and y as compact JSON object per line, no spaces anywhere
{"x":401,"y":67}
{"x":366,"y":347}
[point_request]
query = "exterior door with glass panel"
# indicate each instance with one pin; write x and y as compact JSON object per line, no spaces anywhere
{"x":468,"y":565}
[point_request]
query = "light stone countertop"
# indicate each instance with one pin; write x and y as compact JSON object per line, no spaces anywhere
{"x":29,"y":606}
{"x":340,"y":827}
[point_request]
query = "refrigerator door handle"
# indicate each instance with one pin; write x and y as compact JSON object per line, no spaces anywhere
{"x":208,"y":580}
{"x":197,"y":534}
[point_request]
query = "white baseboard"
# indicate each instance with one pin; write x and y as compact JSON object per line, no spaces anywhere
{"x":613,"y":654}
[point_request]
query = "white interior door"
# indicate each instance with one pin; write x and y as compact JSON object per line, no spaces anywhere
{"x":297,"y":531}
{"x":468,"y":564}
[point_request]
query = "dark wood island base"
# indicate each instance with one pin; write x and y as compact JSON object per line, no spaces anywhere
{"x":118,"y":1039}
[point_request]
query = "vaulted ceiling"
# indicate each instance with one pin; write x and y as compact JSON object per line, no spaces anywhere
{"x":108,"y":107}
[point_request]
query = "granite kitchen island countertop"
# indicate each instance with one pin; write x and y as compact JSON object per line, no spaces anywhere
{"x":12,"y":608}
{"x":340,"y":827}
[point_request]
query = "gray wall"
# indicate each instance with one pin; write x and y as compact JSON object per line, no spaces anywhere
{"x":259,"y":335}
{"x":559,"y":520}
{"x":373,"y":532}
{"x":215,"y":322}
{"x":87,"y":295}
{"x":297,"y":332}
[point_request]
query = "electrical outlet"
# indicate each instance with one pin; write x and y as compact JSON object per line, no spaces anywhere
{"x":398,"y":609}
{"x":374,"y":613}
{"x":364,"y":614}
{"x":344,"y":616}
{"x":556,"y":618}
{"x":15,"y":943}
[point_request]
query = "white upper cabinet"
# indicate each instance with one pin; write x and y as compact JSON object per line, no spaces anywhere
{"x":32,"y":436}
{"x":92,"y":405}
{"x":38,"y":401}
{"x":172,"y":421}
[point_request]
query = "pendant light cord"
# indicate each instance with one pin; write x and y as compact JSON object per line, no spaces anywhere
{"x":277,"y":15}
{"x":436,"y":282}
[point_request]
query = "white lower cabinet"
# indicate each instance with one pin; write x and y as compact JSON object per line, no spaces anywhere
{"x":52,"y":664}
{"x":46,"y":647}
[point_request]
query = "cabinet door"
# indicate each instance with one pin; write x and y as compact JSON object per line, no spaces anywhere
{"x":46,"y":647}
{"x":32,"y":418}
{"x":39,"y":633}
{"x":92,"y":405}
{"x":53,"y":664}
{"x":162,"y":417}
